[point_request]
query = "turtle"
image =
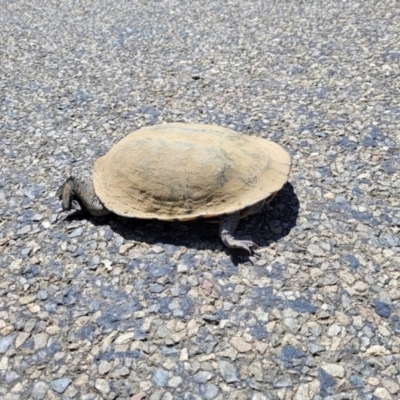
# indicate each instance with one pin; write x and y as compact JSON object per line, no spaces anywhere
{"x":183,"y":172}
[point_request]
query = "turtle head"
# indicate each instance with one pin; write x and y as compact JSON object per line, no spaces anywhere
{"x":78,"y":194}
{"x":66,"y":193}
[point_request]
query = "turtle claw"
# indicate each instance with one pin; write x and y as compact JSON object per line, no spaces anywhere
{"x":228,"y":225}
{"x":247,"y":245}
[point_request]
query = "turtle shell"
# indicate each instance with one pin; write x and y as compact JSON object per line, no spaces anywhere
{"x":185,"y":171}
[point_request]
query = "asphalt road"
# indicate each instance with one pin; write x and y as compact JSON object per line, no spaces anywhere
{"x":111,"y":308}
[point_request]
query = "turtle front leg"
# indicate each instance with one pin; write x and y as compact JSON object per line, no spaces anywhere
{"x":81,"y":189}
{"x":227,"y":227}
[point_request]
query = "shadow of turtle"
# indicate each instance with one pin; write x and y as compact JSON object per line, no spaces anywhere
{"x":270,"y":225}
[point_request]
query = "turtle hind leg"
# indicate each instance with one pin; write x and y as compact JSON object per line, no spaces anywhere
{"x":81,"y":189}
{"x":227,"y":227}
{"x":254,"y":209}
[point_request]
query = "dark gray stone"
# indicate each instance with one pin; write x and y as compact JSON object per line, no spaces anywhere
{"x":283,"y":382}
{"x":156,"y":288}
{"x":60,"y":385}
{"x":170,"y":351}
{"x":76,"y":232}
{"x":228,"y":371}
{"x":5,"y":342}
{"x":208,"y":391}
{"x":327,"y":383}
{"x":382,"y":309}
{"x":42,"y":295}
{"x":390,"y":241}
{"x":315,"y":348}
{"x":11,"y":376}
{"x":203,"y":376}
{"x":160,"y":377}
{"x":39,"y":390}
{"x":292,"y":357}
{"x":357,"y":381}
{"x":302,"y":305}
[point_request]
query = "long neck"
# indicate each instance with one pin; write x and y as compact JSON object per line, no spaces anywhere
{"x":83,"y":189}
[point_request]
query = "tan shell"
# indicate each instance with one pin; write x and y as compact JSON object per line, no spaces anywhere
{"x":184,"y":171}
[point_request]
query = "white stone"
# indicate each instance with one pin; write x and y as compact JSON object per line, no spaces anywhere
{"x":334,"y":330}
{"x":27,"y":299}
{"x":104,"y":367}
{"x":40,"y":340}
{"x":174,"y":381}
{"x":302,"y":393}
{"x":382,"y":394}
{"x":3,"y":363}
{"x":335,"y":370}
{"x":377,"y":350}
{"x":102,"y":386}
{"x":392,"y":386}
{"x":184,"y":356}
{"x":240,"y":345}
{"x":124,"y":338}
{"x":315,"y":250}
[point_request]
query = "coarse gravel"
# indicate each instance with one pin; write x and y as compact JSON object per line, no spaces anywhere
{"x":108,"y":308}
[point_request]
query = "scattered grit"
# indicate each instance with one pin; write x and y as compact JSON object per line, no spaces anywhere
{"x":110,"y":308}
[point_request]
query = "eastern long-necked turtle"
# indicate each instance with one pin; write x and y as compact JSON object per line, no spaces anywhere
{"x":180,"y":171}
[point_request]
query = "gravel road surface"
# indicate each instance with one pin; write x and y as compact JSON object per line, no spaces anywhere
{"x":111,"y":308}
